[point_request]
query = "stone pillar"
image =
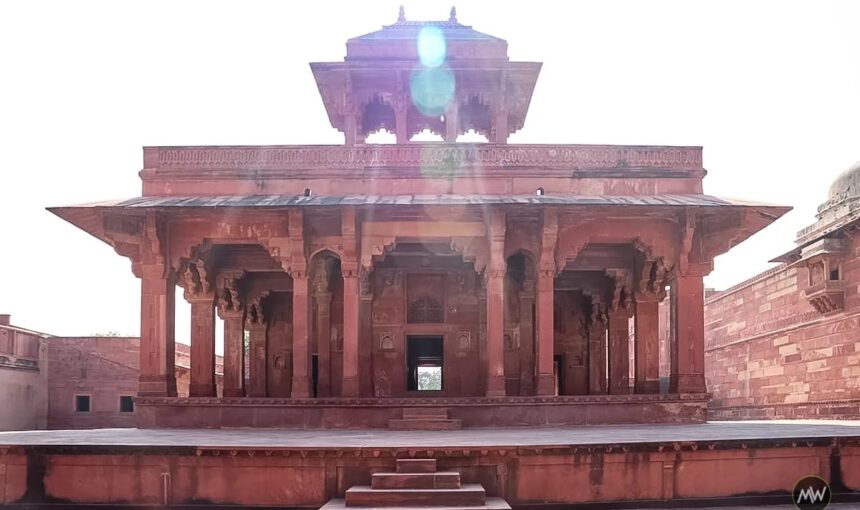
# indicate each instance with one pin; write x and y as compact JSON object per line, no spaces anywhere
{"x":202,"y":346}
{"x":349,"y":270}
{"x":688,"y":367}
{"x":647,"y":344}
{"x":232,"y":312}
{"x":365,"y":334}
{"x":619,"y":355}
{"x":500,"y":128}
{"x":350,"y":128}
{"x":495,"y":333}
{"x":349,"y":388}
{"x":452,"y":122}
{"x":234,"y":353}
{"x":597,"y":351}
{"x":481,"y":284}
{"x":258,"y":366}
{"x":157,"y":342}
{"x":301,"y":385}
{"x":401,"y":129}
{"x":495,"y":277}
{"x":545,"y":308}
{"x":527,"y":340}
{"x":499,"y":111}
{"x":322,"y":327}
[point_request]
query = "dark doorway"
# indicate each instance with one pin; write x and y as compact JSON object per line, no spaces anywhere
{"x":424,"y":363}
{"x":558,"y":368}
{"x":315,"y":372}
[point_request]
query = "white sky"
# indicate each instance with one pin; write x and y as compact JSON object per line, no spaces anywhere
{"x":770,"y":89}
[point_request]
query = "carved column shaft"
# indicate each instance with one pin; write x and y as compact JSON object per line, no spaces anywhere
{"x":323,"y":340}
{"x":258,"y":365}
{"x":527,"y":341}
{"x":452,"y":122}
{"x":301,"y":386}
{"x":596,"y":356}
{"x":688,"y":356}
{"x":350,"y":128}
{"x":157,"y":341}
{"x":365,"y":335}
{"x":495,"y":276}
{"x":349,"y":388}
{"x":619,"y":355}
{"x":401,"y":130}
{"x":545,"y":384}
{"x":202,"y":347}
{"x":495,"y":334}
{"x":349,"y":270}
{"x":234,"y":353}
{"x":647,"y":346}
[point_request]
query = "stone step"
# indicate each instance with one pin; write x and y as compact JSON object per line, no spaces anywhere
{"x":437,"y":480}
{"x":425,"y":424}
{"x":471,"y":494}
{"x":420,"y":413}
{"x":490,"y":504}
{"x":416,"y":465}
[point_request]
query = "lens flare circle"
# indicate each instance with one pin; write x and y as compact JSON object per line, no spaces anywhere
{"x":432,"y":90}
{"x":431,"y":47}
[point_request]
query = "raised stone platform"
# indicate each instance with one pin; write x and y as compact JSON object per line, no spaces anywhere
{"x":363,"y":413}
{"x":641,"y":465}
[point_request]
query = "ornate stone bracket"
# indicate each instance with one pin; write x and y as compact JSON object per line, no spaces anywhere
{"x":195,"y":278}
{"x":144,"y":248}
{"x":229,"y":301}
{"x":653,"y":279}
{"x":256,"y":315}
{"x":622,"y":290}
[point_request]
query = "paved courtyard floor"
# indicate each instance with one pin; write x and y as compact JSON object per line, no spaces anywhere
{"x":476,"y":437}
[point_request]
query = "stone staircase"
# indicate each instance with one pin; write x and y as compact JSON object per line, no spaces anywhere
{"x":417,"y":484}
{"x":425,"y":418}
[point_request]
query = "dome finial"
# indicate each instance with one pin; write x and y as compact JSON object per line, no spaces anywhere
{"x":453,"y":17}
{"x":401,"y":15}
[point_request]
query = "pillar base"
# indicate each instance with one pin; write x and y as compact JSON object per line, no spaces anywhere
{"x":233,"y":392}
{"x":201,"y":390}
{"x":623,"y":388}
{"x":646,"y":387}
{"x":687,"y":383}
{"x":349,"y":388}
{"x":301,"y":387}
{"x":157,"y":386}
{"x":496,"y":387}
{"x":545,"y":385}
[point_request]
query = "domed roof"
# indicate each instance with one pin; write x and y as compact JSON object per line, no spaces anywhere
{"x":846,"y":186}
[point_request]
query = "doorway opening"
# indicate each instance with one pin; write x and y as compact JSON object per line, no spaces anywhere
{"x":424,"y":362}
{"x":558,"y":371}
{"x":315,"y":373}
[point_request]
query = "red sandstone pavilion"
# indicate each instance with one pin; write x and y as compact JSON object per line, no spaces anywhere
{"x":422,"y":286}
{"x":508,"y":272}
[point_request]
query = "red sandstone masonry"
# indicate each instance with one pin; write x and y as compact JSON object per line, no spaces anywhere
{"x":770,"y":354}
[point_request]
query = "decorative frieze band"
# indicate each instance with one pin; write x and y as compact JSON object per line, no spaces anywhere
{"x":422,"y":156}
